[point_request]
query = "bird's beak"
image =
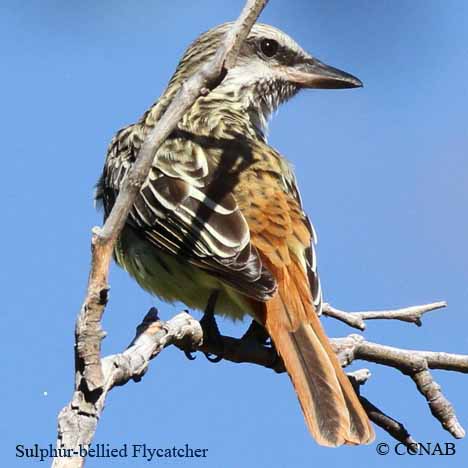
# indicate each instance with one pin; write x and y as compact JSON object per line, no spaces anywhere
{"x":314,"y":74}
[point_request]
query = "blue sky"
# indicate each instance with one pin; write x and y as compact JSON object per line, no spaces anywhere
{"x":384,"y":177}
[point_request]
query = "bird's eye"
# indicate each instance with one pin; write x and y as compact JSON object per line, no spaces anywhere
{"x":269,"y":47}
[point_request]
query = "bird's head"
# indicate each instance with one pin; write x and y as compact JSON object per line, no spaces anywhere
{"x":270,"y":68}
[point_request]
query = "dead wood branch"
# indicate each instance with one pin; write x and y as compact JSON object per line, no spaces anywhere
{"x":80,"y":417}
{"x":413,"y":363}
{"x":376,"y":415}
{"x":357,"y":319}
{"x":186,"y":333}
{"x":416,"y":365}
{"x":393,"y":427}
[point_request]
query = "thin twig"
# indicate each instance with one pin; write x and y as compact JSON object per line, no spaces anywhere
{"x":416,"y":365}
{"x":390,"y":425}
{"x":357,"y":319}
{"x":393,"y":427}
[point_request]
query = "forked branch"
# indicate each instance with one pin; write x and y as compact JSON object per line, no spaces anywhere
{"x":415,"y":364}
{"x":357,"y":320}
{"x":78,"y":421}
{"x":186,"y":333}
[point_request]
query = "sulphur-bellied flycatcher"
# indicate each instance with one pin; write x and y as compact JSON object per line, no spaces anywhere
{"x":220,"y":212}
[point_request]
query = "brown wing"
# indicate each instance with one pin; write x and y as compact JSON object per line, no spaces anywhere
{"x":270,"y":202}
{"x":186,"y":206}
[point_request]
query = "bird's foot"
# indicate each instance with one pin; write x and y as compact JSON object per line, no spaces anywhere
{"x":259,"y":335}
{"x":211,"y":332}
{"x":189,"y":355}
{"x":276,"y":362}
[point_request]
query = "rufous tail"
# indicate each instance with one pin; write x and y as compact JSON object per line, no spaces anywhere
{"x":332,"y":410}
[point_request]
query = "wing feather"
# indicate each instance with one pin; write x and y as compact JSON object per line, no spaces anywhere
{"x":184,"y":210}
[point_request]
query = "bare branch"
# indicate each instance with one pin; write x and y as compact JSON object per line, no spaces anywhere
{"x":78,"y":421}
{"x":357,"y":319}
{"x":359,"y":377}
{"x":416,"y":365}
{"x":376,"y":415}
{"x":152,"y":336}
{"x":241,"y":30}
{"x":396,"y":429}
{"x":355,"y":347}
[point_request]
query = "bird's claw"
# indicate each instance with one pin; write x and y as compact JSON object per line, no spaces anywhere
{"x":276,"y":362}
{"x":257,"y":333}
{"x":210,"y":328}
{"x":213,"y":357}
{"x":211,"y":333}
{"x":189,"y":355}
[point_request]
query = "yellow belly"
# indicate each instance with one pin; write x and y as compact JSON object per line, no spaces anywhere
{"x":172,"y":279}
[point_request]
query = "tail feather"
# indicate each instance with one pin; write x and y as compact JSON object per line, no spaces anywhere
{"x":330,"y":405}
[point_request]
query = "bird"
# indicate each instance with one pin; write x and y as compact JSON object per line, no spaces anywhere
{"x":220,"y":216}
